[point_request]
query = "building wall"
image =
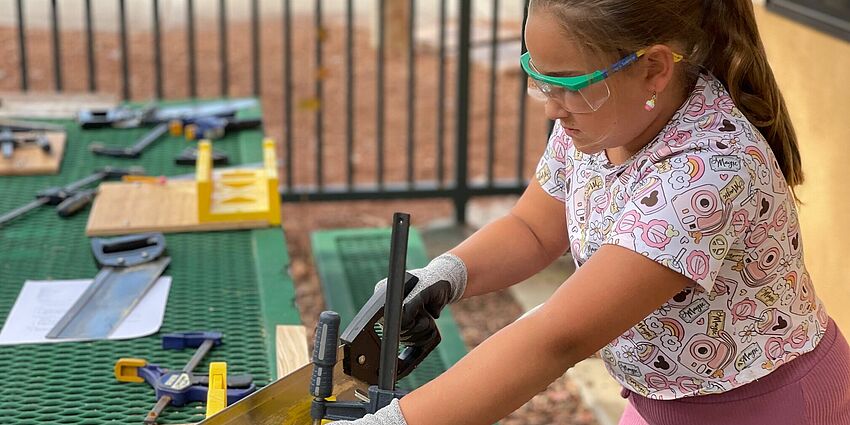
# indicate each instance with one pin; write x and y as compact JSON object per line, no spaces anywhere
{"x":813,"y":70}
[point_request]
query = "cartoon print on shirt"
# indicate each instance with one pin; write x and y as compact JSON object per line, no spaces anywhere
{"x":653,"y":357}
{"x":758,"y":166}
{"x":655,"y":233}
{"x":618,"y":199}
{"x":686,"y":172}
{"x":651,"y":196}
{"x":708,"y":356}
{"x":761,"y":263}
{"x":793,"y":234}
{"x":580,"y":208}
{"x":773,"y":322}
{"x":798,"y":294}
{"x":776,"y":347}
{"x":701,"y":211}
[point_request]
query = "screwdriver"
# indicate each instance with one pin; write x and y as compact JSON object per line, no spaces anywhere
{"x":324,"y":360}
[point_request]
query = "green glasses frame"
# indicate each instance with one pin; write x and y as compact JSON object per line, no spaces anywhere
{"x":579,"y":82}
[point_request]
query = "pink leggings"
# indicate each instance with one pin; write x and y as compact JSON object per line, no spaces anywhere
{"x":813,"y":389}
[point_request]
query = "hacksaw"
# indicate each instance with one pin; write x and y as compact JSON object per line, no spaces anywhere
{"x":285,"y":401}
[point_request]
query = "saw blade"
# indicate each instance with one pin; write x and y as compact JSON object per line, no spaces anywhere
{"x":285,"y":401}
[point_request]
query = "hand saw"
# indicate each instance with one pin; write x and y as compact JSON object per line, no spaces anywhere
{"x":287,"y":400}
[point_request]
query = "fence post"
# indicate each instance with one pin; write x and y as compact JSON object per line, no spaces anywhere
{"x":461,"y":192}
{"x":398,"y":15}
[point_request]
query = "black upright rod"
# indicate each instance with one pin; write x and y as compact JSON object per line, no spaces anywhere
{"x":190,"y":47}
{"x":125,"y":54}
{"x":411,"y":92}
{"x":523,"y":89}
{"x":22,"y":46}
{"x":57,"y":45}
{"x":349,"y":93}
{"x":461,"y":195}
{"x":492,"y":108}
{"x":222,"y":48}
{"x":320,"y":111}
{"x":287,"y":83}
{"x":157,"y":49}
{"x":441,"y":98}
{"x":255,"y":47}
{"x":392,"y":305}
{"x":379,"y":97}
{"x":90,"y":48}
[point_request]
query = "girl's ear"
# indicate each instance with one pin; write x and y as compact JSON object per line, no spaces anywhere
{"x":658,"y":71}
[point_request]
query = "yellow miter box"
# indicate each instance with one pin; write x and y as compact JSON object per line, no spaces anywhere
{"x":238,"y":194}
{"x":231,"y":198}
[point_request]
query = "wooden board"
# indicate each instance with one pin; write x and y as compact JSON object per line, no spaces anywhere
{"x":123,"y":208}
{"x":29,"y":159}
{"x":292,"y":352}
{"x":51,"y":104}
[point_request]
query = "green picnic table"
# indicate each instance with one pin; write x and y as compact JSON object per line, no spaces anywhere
{"x":235,"y":282}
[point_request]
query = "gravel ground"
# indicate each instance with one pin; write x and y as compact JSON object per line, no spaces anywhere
{"x":478,"y":318}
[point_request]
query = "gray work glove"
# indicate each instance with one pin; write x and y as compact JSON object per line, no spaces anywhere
{"x":389,"y":415}
{"x":441,"y":282}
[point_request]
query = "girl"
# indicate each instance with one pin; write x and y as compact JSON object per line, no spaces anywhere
{"x":670,"y":176}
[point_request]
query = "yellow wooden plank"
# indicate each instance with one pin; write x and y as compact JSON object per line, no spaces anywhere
{"x":31,"y":160}
{"x":123,"y":208}
{"x":292,"y":352}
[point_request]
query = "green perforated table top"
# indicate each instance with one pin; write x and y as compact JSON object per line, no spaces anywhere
{"x":235,"y":282}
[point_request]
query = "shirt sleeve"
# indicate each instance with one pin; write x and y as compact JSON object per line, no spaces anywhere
{"x":553,"y":170}
{"x":686,"y":217}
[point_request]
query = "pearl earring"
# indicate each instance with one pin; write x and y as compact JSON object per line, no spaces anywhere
{"x":650,"y":104}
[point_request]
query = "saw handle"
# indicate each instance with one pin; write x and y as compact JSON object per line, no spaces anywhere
{"x":324,"y":354}
{"x":75,"y":203}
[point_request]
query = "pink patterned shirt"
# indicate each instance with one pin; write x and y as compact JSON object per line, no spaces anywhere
{"x":707,"y":199}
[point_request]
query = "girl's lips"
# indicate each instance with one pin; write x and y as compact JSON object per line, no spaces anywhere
{"x":571,"y":131}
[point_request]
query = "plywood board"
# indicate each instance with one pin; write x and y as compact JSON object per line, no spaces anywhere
{"x":292,"y":352}
{"x":124,"y":208}
{"x":51,"y":104}
{"x":29,"y":159}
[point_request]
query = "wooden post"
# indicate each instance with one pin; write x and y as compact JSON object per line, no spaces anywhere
{"x":396,"y":17}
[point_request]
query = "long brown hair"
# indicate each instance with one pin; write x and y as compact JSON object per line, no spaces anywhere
{"x":720,"y":36}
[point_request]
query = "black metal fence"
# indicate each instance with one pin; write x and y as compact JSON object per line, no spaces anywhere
{"x":278,"y":66}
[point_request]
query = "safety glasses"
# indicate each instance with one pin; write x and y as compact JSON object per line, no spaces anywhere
{"x":577,"y":94}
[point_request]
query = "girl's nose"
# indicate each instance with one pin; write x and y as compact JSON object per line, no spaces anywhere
{"x":555,"y":110}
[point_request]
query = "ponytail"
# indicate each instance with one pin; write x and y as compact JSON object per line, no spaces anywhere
{"x":734,"y":53}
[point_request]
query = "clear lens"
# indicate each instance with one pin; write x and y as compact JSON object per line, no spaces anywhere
{"x":588,"y":99}
{"x":535,"y":91}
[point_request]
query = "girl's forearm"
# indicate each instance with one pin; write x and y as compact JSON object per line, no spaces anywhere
{"x":493,"y":380}
{"x":502,"y":253}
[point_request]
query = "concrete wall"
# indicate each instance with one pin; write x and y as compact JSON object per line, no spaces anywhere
{"x":813,"y":69}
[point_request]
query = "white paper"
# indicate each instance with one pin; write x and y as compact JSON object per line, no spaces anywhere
{"x":41,"y":303}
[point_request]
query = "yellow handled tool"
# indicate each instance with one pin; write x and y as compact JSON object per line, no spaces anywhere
{"x":217,"y":393}
{"x":127,"y":369}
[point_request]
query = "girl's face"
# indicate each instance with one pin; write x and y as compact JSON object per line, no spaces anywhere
{"x":620,"y":120}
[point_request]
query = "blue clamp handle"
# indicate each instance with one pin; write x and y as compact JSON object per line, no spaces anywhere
{"x":179,"y":341}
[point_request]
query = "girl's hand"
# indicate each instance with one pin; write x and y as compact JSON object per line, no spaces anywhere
{"x":390,"y":415}
{"x":441,"y":282}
